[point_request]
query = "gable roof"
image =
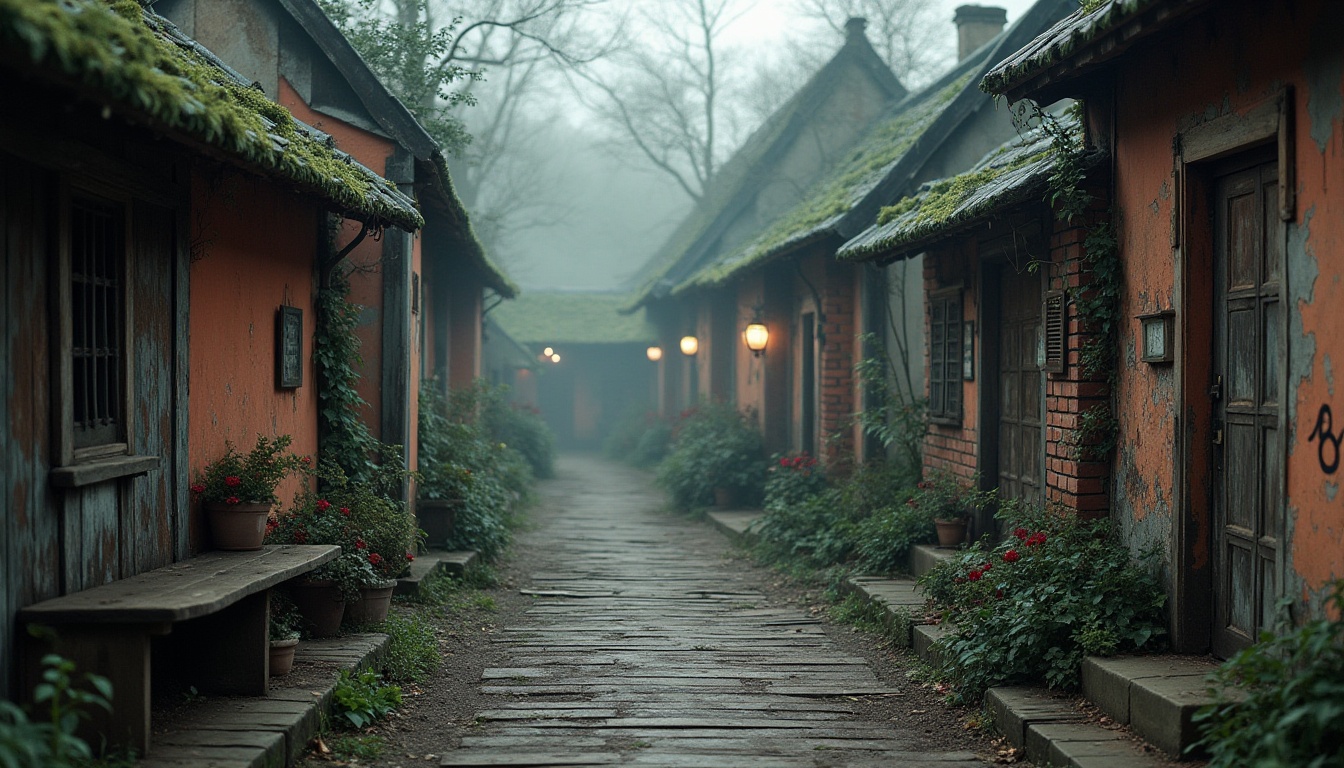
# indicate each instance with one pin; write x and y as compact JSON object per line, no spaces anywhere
{"x":140,"y":66}
{"x":881,"y":167}
{"x":738,"y":180}
{"x":1016,"y":172}
{"x":1081,"y":42}
{"x":393,"y":117}
{"x":572,"y":318}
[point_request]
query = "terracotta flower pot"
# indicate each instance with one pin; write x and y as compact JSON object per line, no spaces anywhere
{"x":282,"y":656}
{"x":372,"y":605}
{"x":237,"y":526}
{"x":321,"y":605}
{"x":435,"y":517}
{"x":725,"y":497}
{"x":950,"y":532}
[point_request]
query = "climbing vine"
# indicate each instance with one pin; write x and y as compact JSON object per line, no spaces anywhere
{"x":1097,"y":299}
{"x":345,"y":438}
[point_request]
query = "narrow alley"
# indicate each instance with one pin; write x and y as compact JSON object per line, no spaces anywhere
{"x":644,"y":646}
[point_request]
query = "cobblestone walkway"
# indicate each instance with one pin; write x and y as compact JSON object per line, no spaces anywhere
{"x":644,"y":648}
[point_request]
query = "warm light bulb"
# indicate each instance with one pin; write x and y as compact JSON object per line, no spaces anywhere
{"x":555,"y":358}
{"x":654,"y":353}
{"x":548,"y":352}
{"x":689,"y":345}
{"x":756,"y":336}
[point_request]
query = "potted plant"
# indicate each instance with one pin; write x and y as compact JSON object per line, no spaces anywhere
{"x":285,"y":624}
{"x":322,"y":594}
{"x":384,"y":533}
{"x":949,"y":503}
{"x":237,"y":491}
{"x":442,"y":490}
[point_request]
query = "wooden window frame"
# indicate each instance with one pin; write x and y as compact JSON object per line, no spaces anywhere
{"x":950,"y":415}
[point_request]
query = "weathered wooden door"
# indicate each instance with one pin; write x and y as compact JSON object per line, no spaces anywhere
{"x":1020,"y":426}
{"x":1248,"y":454}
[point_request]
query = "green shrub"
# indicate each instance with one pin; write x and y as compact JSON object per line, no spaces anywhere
{"x":792,"y":479}
{"x":1281,"y":701}
{"x":50,"y":741}
{"x":1030,"y":608}
{"x":520,"y":428}
{"x":653,"y":445}
{"x":639,"y":438}
{"x":886,"y":537}
{"x":713,"y":446}
{"x":360,"y":698}
{"x":412,"y":649}
{"x":815,"y":532}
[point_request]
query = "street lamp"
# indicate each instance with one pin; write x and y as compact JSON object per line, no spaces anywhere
{"x":654,"y":353}
{"x":689,"y":345}
{"x":756,"y":337}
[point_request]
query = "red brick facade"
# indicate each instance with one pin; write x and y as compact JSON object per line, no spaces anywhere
{"x":836,"y":385}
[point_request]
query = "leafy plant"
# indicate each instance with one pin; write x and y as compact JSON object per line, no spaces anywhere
{"x":896,"y":421}
{"x":285,"y":619}
{"x":520,"y":428}
{"x":885,"y":538}
{"x":944,"y":496}
{"x":345,"y":438}
{"x":316,"y":520}
{"x":355,"y":747}
{"x":247,"y":478}
{"x":639,"y":438}
{"x":360,"y":698}
{"x":412,"y":649}
{"x":1033,"y":606}
{"x":51,"y":741}
{"x":713,"y":446}
{"x":792,"y":479}
{"x":1280,"y":702}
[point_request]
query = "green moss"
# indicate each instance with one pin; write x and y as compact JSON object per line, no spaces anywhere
{"x":1056,"y":46}
{"x":845,"y":187}
{"x":571,"y":318}
{"x":117,"y":54}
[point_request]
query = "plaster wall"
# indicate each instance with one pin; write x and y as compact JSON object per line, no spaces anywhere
{"x":1229,"y":62}
{"x":254,"y":250}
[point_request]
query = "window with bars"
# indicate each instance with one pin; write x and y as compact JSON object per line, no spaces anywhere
{"x":97,"y":321}
{"x":945,"y":356}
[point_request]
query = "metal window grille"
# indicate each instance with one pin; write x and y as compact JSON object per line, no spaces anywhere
{"x":945,"y":357}
{"x":1054,"y":321}
{"x":97,"y":295}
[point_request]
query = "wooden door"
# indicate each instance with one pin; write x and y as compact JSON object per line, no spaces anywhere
{"x":1248,"y":363}
{"x":1021,"y":451}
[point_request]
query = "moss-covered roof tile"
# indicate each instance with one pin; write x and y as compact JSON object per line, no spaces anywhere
{"x":141,"y":66}
{"x":572,"y":318}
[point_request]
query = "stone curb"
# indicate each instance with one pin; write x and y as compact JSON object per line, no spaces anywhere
{"x":736,"y":524}
{"x":435,"y":561}
{"x":262,"y":731}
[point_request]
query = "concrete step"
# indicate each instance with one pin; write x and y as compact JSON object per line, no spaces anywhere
{"x":925,"y":557}
{"x":1051,"y":730}
{"x":737,"y":524}
{"x":1155,"y":695}
{"x":432,"y":562}
{"x":270,"y":731}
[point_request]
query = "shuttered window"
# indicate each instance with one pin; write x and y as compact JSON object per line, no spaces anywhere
{"x":945,"y":356}
{"x":1053,"y":320}
{"x":97,"y":320}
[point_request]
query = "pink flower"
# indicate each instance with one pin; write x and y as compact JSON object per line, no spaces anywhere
{"x":784,"y":462}
{"x":233,"y":481}
{"x":323,"y":505}
{"x":231,"y":500}
{"x":1011,"y":556}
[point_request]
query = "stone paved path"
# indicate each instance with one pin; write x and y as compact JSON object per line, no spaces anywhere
{"x":642,"y":648}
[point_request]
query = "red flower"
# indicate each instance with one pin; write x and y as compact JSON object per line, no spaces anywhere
{"x":306,"y":460}
{"x":986,"y":566}
{"x":359,"y":544}
{"x":410,"y":558}
{"x":1011,"y":556}
{"x":1021,"y":534}
{"x":999,"y":594}
{"x":323,"y":505}
{"x":375,"y":558}
{"x":233,"y":481}
{"x":1036,"y":539}
{"x":910,"y":502}
{"x":974,"y":575}
{"x":300,"y":537}
{"x":271,"y":525}
{"x":198,"y":488}
{"x":231,"y":500}
{"x":345,"y":511}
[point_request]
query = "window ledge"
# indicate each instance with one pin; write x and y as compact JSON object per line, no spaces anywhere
{"x":102,"y":470}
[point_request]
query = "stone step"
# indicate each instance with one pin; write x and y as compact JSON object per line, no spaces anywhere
{"x":269,"y":731}
{"x":737,"y":524}
{"x":1052,"y":731}
{"x":1155,"y":695}
{"x":432,"y":562}
{"x":925,"y":557}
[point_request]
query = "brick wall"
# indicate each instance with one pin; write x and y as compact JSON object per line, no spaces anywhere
{"x":952,"y":447}
{"x":836,"y":385}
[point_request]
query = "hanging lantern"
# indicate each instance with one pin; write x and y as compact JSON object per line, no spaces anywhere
{"x":756,"y":337}
{"x":654,"y":353}
{"x":689,"y":345}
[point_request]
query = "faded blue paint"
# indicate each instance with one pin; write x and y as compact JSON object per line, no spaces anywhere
{"x":1324,"y":71}
{"x":1302,"y":273}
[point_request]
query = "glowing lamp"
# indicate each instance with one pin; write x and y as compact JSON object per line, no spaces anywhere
{"x":547,"y":352}
{"x":654,"y":353}
{"x":689,"y":345}
{"x":555,"y":358}
{"x":756,"y":336}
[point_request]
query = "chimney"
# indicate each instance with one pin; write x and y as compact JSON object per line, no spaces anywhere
{"x":854,"y":28}
{"x":977,"y":25}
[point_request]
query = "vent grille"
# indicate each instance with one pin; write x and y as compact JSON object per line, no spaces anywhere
{"x":1054,"y":331}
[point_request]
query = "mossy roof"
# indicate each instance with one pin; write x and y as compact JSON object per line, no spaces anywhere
{"x":881,"y":166}
{"x":741,"y":177}
{"x":1071,"y":36}
{"x":140,"y":66}
{"x":572,"y":318}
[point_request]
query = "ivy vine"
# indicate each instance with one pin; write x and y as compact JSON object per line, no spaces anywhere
{"x":343,"y":435}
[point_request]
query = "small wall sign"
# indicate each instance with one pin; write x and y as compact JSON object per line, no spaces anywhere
{"x":1157,"y":337}
{"x":289,"y":348}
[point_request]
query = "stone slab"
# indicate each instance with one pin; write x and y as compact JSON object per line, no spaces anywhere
{"x":737,"y":524}
{"x":923,"y":636}
{"x":1014,"y":709}
{"x":455,"y":563}
{"x":1083,"y":745}
{"x":1156,"y":695}
{"x":925,"y":557}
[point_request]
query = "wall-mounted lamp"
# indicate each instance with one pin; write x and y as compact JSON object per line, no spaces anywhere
{"x":555,"y":358}
{"x":654,"y":353}
{"x":756,"y":337}
{"x":689,"y":345}
{"x":1158,"y":338}
{"x":547,"y":352}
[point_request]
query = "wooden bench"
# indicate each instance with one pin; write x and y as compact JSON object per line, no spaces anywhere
{"x":219,"y":603}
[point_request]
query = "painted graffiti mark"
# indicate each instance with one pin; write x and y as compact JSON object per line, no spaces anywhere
{"x":1328,"y":450}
